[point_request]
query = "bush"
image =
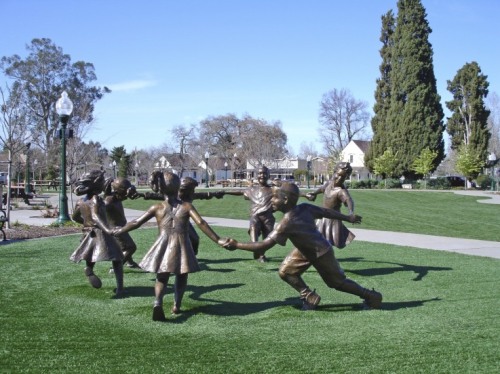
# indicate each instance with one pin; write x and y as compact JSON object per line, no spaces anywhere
{"x":388,"y":183}
{"x":439,"y":184}
{"x":362,"y":184}
{"x":483,"y":182}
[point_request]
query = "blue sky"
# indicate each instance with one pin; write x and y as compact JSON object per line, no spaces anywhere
{"x":176,"y":62}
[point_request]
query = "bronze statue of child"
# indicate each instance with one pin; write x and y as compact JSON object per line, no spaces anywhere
{"x":172,"y":252}
{"x":186,"y":193}
{"x":117,"y":190}
{"x":97,"y":243}
{"x":261,"y":217}
{"x":335,"y":194}
{"x":311,"y":248}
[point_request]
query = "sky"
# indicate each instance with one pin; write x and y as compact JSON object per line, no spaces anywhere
{"x":171,"y":63}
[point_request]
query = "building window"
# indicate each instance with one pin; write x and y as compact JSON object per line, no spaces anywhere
{"x":351,"y":159}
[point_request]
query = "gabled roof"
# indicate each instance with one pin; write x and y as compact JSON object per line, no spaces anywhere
{"x":364,"y":145}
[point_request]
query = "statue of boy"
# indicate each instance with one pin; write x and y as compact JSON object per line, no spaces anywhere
{"x":261,"y":215}
{"x":311,"y":248}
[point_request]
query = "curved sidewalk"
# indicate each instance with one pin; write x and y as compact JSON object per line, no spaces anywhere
{"x":465,"y":246}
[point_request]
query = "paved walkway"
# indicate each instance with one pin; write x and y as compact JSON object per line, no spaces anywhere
{"x":465,"y":246}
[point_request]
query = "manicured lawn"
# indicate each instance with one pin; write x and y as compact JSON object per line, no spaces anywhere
{"x":420,"y":212}
{"x":440,"y":314}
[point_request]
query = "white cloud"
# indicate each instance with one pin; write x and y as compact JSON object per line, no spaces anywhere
{"x":133,"y":85}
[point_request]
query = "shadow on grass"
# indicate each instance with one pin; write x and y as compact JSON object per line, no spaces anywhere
{"x":420,"y":271}
{"x":392,"y":306}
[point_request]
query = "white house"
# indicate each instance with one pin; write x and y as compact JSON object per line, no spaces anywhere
{"x":354,"y":153}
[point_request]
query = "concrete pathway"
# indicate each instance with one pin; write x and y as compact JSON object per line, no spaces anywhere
{"x":465,"y":246}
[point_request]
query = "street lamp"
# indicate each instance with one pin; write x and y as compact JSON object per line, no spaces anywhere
{"x":225,"y":167}
{"x":235,"y":170}
{"x":492,"y":160}
{"x":308,"y":170}
{"x":114,"y":168}
{"x":136,"y":176}
{"x":64,"y":108}
{"x":206,"y":168}
{"x":27,"y":189}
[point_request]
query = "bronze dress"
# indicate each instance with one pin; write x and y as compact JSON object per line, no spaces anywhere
{"x":332,"y":229}
{"x":95,"y":245}
{"x":172,"y":251}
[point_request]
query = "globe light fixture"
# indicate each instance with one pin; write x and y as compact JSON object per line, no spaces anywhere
{"x":492,"y":160}
{"x":206,"y":169}
{"x":64,"y":108}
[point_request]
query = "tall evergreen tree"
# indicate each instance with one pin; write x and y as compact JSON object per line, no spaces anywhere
{"x":382,"y":92}
{"x":468,"y":123}
{"x":415,"y":116}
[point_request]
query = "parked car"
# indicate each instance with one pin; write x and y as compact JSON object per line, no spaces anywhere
{"x":455,"y":181}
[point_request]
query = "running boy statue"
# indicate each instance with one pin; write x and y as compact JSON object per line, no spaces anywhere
{"x":311,"y":248}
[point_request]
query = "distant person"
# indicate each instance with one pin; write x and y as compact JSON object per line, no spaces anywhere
{"x":335,"y":194}
{"x":261,"y":216}
{"x":311,"y":248}
{"x":172,"y":252}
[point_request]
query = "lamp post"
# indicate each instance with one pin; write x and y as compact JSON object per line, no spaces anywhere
{"x":492,"y":160}
{"x":206,"y":169}
{"x":35,"y":166}
{"x":136,"y":176}
{"x":225,"y":167}
{"x":308,"y":170}
{"x":27,"y":189}
{"x":235,"y":170}
{"x":114,"y":168}
{"x":64,"y":108}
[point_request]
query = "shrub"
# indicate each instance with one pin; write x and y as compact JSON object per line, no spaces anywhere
{"x":483,"y":182}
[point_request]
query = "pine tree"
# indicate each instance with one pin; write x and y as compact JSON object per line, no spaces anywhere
{"x":468,"y":123}
{"x":382,"y":93}
{"x":415,"y":116}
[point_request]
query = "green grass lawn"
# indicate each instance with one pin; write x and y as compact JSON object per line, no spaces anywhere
{"x":420,"y":212}
{"x":440,"y":314}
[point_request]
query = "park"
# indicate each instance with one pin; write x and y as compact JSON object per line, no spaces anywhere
{"x":439,"y":315}
{"x":130,"y":203}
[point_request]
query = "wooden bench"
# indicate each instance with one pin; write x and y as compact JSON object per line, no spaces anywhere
{"x":407,"y":186}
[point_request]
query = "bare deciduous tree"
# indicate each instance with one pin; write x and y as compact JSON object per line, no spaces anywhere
{"x":14,"y":132}
{"x":342,"y":118}
{"x":493,"y":104}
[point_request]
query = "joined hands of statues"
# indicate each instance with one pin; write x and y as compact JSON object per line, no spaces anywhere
{"x":116,"y":231}
{"x":230,"y":244}
{"x":310,"y":196}
{"x":353,"y":218}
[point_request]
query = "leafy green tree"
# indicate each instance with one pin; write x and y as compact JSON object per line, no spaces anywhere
{"x":424,"y":163}
{"x":123,"y":161}
{"x":468,"y":123}
{"x":469,"y":161}
{"x":40,"y":79}
{"x":385,"y":164}
{"x":415,"y":115}
{"x":382,"y":93}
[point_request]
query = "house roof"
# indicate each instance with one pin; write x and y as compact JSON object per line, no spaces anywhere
{"x":363,"y":145}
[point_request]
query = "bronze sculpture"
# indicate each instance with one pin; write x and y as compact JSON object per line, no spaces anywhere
{"x":186,"y":193}
{"x":115,"y":191}
{"x":172,"y":252}
{"x":335,"y":195}
{"x":97,"y":243}
{"x":310,"y":248}
{"x":261,"y":216}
